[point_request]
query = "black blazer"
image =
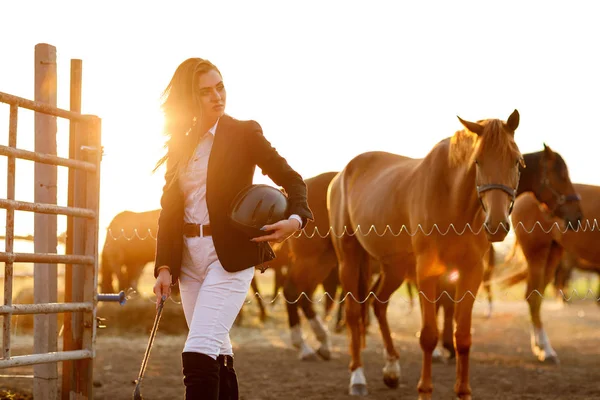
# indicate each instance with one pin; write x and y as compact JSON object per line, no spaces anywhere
{"x":238,"y":147}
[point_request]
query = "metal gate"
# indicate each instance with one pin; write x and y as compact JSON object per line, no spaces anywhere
{"x":81,"y":255}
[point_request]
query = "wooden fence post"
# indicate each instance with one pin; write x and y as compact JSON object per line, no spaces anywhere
{"x":45,"y":382}
{"x":73,"y":322}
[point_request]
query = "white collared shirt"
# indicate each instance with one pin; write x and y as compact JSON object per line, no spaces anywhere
{"x":192,"y":182}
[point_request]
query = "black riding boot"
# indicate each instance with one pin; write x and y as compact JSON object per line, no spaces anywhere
{"x":228,"y":386}
{"x":200,"y":376}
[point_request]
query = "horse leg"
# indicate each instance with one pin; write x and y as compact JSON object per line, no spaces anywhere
{"x":428,"y":339}
{"x":258,"y":297}
{"x":350,"y":277}
{"x":318,"y":328}
{"x":448,"y":330}
{"x":292,"y":297}
{"x":446,"y":295}
{"x":560,"y":277}
{"x":330,"y":285}
{"x":389,"y":280}
{"x":278,"y":281}
{"x":487,"y":276}
{"x":536,"y":285}
{"x":339,"y":319}
{"x":598,"y":298}
{"x":411,"y":297}
{"x":467,"y":286}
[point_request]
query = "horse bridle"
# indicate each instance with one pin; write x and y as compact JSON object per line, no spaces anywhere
{"x":558,"y":197}
{"x":492,"y":186}
{"x":512,"y":192}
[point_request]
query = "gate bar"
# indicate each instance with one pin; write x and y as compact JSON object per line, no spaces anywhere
{"x":43,"y":358}
{"x":42,"y":107}
{"x":50,"y":258}
{"x":45,"y":208}
{"x":45,"y":308}
{"x":45,"y":158}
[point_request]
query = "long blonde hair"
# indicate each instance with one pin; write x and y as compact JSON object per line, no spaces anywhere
{"x":181,"y":114}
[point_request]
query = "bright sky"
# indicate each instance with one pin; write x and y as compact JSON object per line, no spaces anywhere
{"x":327,"y":80}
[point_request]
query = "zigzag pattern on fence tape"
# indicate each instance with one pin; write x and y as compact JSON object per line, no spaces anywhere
{"x":574,"y":296}
{"x":582,"y":227}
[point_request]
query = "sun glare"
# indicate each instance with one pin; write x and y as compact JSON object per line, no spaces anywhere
{"x":133,"y":143}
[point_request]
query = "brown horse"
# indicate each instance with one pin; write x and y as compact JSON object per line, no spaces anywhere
{"x":414,"y":217}
{"x":543,"y":238}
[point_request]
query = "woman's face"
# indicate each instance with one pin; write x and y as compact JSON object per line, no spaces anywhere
{"x":212,"y":95}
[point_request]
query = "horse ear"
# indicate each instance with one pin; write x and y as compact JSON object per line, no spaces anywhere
{"x":472,"y":126}
{"x":548,"y":152}
{"x":513,"y":121}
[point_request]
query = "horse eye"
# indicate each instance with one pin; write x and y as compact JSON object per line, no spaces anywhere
{"x":477,"y":162}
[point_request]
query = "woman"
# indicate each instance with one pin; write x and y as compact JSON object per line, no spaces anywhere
{"x":210,"y":158}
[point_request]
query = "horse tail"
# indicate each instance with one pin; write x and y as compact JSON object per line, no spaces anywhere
{"x":511,"y":255}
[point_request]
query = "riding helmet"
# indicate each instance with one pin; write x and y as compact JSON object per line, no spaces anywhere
{"x":257,"y":206}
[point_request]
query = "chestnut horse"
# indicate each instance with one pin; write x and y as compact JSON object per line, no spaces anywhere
{"x":543,"y":238}
{"x":428,"y":205}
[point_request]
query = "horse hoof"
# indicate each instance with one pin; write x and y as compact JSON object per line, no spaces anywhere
{"x":391,"y":381}
{"x":324,"y":353}
{"x":424,"y":396}
{"x":358,"y":389}
{"x":464,"y":397}
{"x":550,"y":359}
{"x":437,"y":356}
{"x":309,"y":357}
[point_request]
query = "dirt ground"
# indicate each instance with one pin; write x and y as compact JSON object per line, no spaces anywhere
{"x":502,"y":365}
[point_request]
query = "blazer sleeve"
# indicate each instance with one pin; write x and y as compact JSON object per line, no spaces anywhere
{"x":164,"y":235}
{"x":276,"y":167}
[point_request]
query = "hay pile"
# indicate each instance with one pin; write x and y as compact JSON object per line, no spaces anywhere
{"x":15,"y":395}
{"x":137,"y":315}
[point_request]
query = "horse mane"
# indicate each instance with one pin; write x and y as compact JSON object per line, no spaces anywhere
{"x":465,"y":146}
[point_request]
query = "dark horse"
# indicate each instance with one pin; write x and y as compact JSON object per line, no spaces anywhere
{"x":543,"y":238}
{"x":312,"y":260}
{"x":404,"y":208}
{"x":130,"y":244}
{"x":547,"y":178}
